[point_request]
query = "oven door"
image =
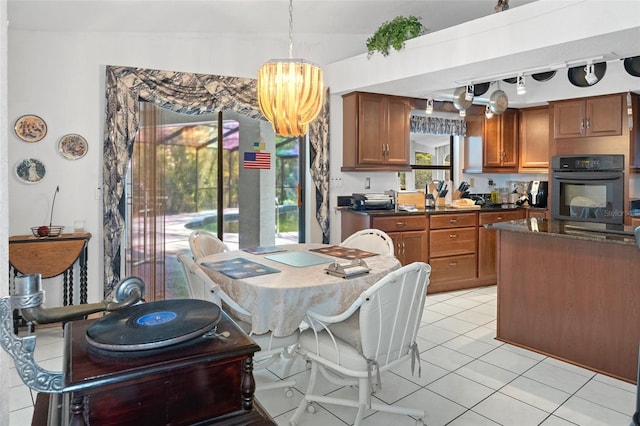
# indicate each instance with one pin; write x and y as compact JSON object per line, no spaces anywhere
{"x":595,"y":196}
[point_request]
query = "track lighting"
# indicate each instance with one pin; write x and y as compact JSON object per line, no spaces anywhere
{"x":429,"y":109}
{"x":521,"y":87}
{"x":487,"y":112}
{"x":468,"y":95}
{"x":590,"y":75}
{"x":463,"y":113}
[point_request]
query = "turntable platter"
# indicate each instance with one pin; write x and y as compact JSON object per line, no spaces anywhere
{"x":154,"y":325}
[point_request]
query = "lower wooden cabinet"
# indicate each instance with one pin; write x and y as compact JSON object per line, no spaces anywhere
{"x":537,"y":213}
{"x":487,"y":248}
{"x":452,"y":251}
{"x":409,"y":235}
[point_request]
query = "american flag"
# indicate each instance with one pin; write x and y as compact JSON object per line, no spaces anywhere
{"x":257,"y":160}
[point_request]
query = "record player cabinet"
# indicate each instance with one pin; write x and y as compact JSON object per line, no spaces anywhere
{"x":208,"y":381}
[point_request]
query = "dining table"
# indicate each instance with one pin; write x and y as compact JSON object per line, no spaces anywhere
{"x":278,"y":285}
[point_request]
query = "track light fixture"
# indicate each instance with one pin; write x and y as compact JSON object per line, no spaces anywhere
{"x":429,"y":109}
{"x":468,"y":94}
{"x":487,"y":112}
{"x":521,"y":87}
{"x":590,"y":75}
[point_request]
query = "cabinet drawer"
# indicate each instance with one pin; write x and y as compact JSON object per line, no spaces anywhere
{"x":503,"y":216}
{"x":447,"y":242}
{"x":441,"y":221}
{"x":400,"y":223}
{"x":453,"y":268}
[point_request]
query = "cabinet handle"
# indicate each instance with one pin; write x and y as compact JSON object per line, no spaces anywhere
{"x":453,"y":263}
{"x":499,"y":218}
{"x":453,"y":235}
{"x":581,"y":125}
{"x":588,"y":123}
{"x":387,"y":145}
{"x":401,"y":224}
{"x":403,"y":248}
{"x":453,"y":220}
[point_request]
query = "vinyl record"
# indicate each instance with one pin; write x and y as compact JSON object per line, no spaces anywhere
{"x":576,"y":75}
{"x":480,"y":89}
{"x":543,"y":76}
{"x":632,"y":66}
{"x":154,"y":325}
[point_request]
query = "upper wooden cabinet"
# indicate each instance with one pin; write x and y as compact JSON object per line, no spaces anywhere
{"x":597,"y":116}
{"x":375,"y":132}
{"x":500,"y":144}
{"x":534,"y":140}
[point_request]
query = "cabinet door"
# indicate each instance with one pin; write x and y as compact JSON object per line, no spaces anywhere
{"x":568,"y":119}
{"x":371,"y":129}
{"x":414,"y":247}
{"x":604,"y":116}
{"x":396,"y":237}
{"x":500,"y":145}
{"x":487,"y":253}
{"x":534,"y":139}
{"x":397,"y":140}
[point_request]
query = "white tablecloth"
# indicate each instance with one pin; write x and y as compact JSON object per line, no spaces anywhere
{"x":279,"y":301}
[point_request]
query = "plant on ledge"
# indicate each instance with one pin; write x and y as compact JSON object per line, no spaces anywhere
{"x":393,"y":34}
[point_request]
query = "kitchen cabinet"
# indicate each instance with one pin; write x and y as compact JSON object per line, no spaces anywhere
{"x":500,"y":144}
{"x":487,"y":245}
{"x":452,"y":251}
{"x":408,"y":232}
{"x":375,"y":132}
{"x":590,"y":117}
{"x":537,"y":213}
{"x":533,"y":137}
{"x":409,"y":235}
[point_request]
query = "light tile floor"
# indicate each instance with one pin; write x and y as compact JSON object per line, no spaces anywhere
{"x":468,"y":378}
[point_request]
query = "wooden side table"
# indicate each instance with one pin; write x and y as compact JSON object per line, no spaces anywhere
{"x":51,"y":257}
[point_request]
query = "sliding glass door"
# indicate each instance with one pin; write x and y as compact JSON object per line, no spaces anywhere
{"x":220,"y":172}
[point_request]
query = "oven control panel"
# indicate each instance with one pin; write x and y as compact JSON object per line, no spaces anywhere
{"x":588,"y":162}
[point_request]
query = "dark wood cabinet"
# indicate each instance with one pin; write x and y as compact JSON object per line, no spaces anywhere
{"x":487,"y":245}
{"x":591,"y":117}
{"x":533,"y":138}
{"x":500,"y":144}
{"x":375,"y":132}
{"x":409,"y":235}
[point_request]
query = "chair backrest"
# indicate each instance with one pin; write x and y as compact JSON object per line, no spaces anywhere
{"x":204,"y":243}
{"x":373,"y":240}
{"x":391,"y":312}
{"x":201,"y":286}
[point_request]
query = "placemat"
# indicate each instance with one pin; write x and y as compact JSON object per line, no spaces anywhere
{"x":264,"y":249}
{"x":299,"y":259}
{"x":239,"y":268}
{"x":344,"y":252}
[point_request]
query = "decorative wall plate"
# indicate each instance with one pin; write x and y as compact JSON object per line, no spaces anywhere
{"x":30,"y":170}
{"x":30,"y":128}
{"x":73,"y":146}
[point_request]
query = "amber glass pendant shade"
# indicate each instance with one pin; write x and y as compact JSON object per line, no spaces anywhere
{"x":290,"y":94}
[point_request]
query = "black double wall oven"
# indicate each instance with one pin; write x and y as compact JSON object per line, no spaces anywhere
{"x":588,"y":188}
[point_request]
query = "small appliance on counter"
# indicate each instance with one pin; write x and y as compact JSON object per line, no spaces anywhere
{"x":372,"y":201}
{"x":538,"y":191}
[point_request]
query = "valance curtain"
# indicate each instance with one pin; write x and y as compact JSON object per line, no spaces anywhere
{"x":186,"y":93}
{"x":437,"y":126}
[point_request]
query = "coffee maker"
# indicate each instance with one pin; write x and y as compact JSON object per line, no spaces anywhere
{"x":538,"y":191}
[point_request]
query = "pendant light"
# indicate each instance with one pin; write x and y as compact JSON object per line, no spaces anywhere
{"x":290,"y":91}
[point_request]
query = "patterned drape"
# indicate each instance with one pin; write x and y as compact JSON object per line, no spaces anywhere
{"x":438,"y":126}
{"x":185,"y":93}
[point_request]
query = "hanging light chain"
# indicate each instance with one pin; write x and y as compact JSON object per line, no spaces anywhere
{"x":290,"y":29}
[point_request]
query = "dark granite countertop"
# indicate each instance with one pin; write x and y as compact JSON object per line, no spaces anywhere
{"x":618,"y":234}
{"x":435,"y":210}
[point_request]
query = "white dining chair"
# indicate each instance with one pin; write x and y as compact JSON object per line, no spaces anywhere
{"x":272,"y":348}
{"x":203,"y":243}
{"x":377,"y":332}
{"x":372,"y":240}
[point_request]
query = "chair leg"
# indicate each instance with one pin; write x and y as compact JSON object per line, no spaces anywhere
{"x":313,"y":377}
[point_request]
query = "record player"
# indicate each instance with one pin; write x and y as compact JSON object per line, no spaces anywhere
{"x":372,"y":201}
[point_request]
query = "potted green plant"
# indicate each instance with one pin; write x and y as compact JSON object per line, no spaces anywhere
{"x":394,"y":33}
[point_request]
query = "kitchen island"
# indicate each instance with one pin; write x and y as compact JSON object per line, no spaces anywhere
{"x":571,"y":290}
